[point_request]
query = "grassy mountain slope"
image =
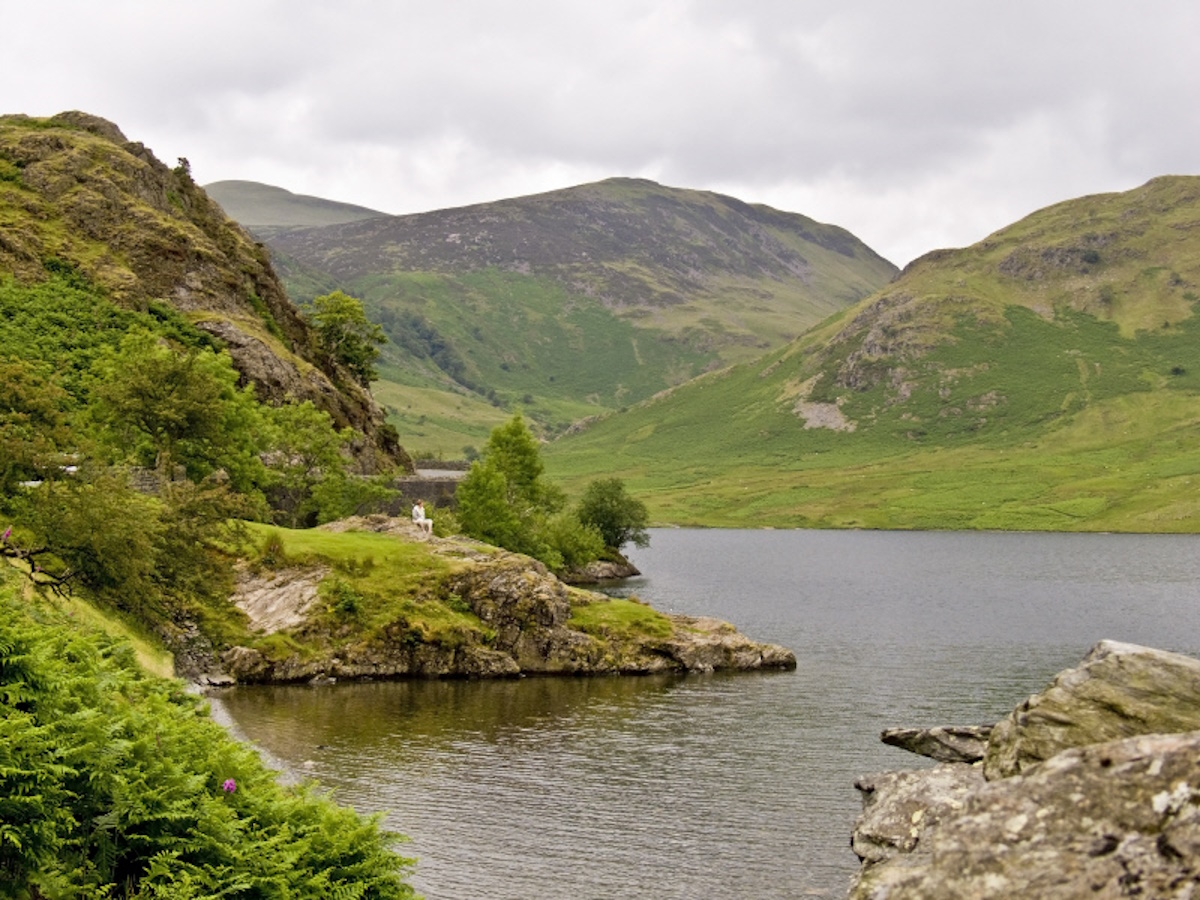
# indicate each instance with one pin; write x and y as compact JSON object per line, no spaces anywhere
{"x":577,"y":302}
{"x":1047,"y":377}
{"x":264,"y":209}
{"x":77,"y":197}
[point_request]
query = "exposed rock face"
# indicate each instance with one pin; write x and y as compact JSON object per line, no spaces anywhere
{"x":1106,"y":802}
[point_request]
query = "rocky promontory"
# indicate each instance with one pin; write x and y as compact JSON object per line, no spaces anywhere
{"x":514,"y":618}
{"x":1090,"y":788}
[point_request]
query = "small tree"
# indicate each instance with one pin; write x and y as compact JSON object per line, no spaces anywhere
{"x":347,"y":336}
{"x":305,"y":451}
{"x":184,"y":406}
{"x":620,"y":519}
{"x":504,"y":499}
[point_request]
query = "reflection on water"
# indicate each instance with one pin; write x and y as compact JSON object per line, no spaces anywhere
{"x":724,"y":786}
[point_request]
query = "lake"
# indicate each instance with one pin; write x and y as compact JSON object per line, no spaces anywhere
{"x":725,"y":786}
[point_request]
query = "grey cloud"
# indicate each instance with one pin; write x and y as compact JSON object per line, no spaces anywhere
{"x":419,"y":103}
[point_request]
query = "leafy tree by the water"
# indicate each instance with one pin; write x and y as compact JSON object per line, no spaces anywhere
{"x":95,"y":531}
{"x":505,"y":499}
{"x":620,"y":518}
{"x":306,"y":449}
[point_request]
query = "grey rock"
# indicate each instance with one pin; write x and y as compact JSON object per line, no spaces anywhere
{"x":600,"y":570}
{"x":945,"y":743}
{"x":901,"y":808}
{"x":1119,"y":690}
{"x":1117,"y":819}
{"x":1092,"y":790}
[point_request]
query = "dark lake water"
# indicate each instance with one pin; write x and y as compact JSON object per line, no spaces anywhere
{"x":725,"y":786}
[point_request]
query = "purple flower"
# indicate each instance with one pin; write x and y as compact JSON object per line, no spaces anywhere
{"x":229,"y":786}
{"x":7,"y":534}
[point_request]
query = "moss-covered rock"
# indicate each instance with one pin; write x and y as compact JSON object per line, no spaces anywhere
{"x":1119,"y":690}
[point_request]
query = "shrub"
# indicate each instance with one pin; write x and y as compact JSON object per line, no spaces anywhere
{"x":114,"y":784}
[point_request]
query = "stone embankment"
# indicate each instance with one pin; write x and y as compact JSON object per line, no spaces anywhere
{"x":526,"y":610}
{"x":1088,"y":789}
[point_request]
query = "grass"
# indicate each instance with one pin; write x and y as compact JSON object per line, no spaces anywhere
{"x":619,"y":618}
{"x":434,"y":422}
{"x":375,"y":581}
{"x":148,"y":652}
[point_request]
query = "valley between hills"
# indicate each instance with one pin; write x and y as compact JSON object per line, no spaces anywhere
{"x":1045,"y":378}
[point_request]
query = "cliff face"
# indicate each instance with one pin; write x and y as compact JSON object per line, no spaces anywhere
{"x":1086,"y":789}
{"x":75,"y":192}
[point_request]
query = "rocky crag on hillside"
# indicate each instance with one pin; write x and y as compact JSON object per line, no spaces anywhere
{"x":75,"y":193}
{"x":525,"y":608}
{"x":1088,"y":789}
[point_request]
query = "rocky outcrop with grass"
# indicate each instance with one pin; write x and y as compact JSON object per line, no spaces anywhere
{"x":81,"y":198}
{"x":1090,"y":788}
{"x":476,"y":612}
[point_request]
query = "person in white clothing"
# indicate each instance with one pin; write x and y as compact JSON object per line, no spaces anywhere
{"x":420,"y":519}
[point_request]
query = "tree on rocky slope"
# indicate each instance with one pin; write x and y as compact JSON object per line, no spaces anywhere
{"x":620,"y":519}
{"x":347,"y":336}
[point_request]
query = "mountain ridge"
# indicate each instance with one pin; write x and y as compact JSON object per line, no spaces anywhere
{"x":646,"y":285}
{"x":264,"y":208}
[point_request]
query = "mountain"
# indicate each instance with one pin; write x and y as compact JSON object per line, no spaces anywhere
{"x":77,"y":197}
{"x":575,"y":302}
{"x":265,"y":209}
{"x":1046,"y":377}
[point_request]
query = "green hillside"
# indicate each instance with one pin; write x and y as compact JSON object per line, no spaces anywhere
{"x":573,"y":303}
{"x":264,"y":208}
{"x":1046,"y":378}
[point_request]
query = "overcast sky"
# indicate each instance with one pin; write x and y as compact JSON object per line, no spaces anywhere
{"x":915,"y":124}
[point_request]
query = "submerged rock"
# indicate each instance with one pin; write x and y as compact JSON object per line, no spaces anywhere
{"x":1089,"y":788}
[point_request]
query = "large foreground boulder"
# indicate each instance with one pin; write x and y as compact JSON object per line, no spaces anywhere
{"x":1088,"y":789}
{"x":1119,"y":690}
{"x":1118,"y":819}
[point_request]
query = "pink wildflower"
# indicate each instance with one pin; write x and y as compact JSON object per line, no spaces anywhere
{"x":229,"y":786}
